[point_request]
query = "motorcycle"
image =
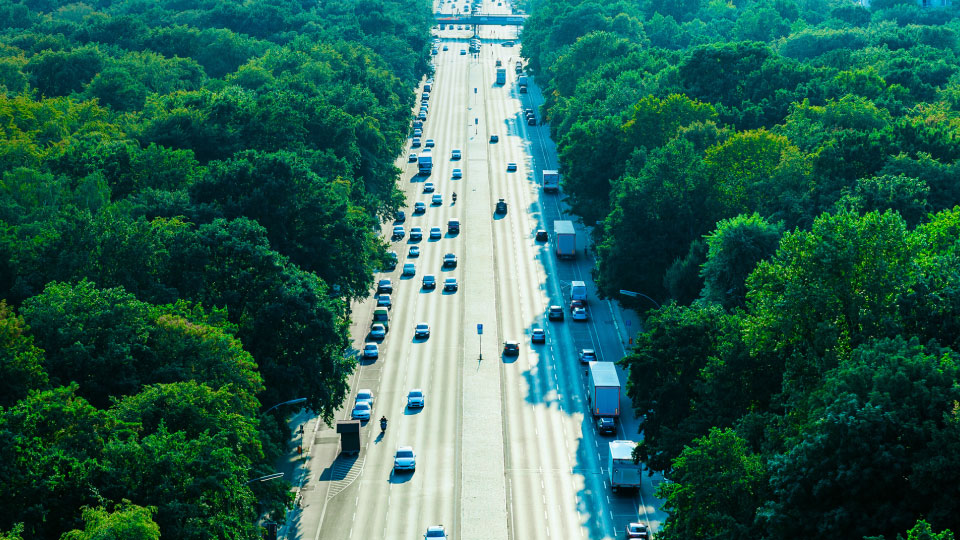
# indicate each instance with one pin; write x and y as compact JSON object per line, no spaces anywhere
{"x":383,"y":425}
{"x":454,"y":197}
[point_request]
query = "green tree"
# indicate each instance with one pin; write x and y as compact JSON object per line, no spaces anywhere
{"x":734,"y":250}
{"x":127,"y":522}
{"x":716,"y":487}
{"x":21,"y":362}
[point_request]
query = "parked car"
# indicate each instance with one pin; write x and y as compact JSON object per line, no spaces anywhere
{"x":385,"y":286}
{"x":383,"y":300}
{"x":416,"y":140}
{"x":413,"y":156}
{"x":541,"y":235}
{"x":378,"y":331}
{"x":399,"y":216}
{"x":370,"y":350}
{"x":364,"y":394}
{"x":511,"y":348}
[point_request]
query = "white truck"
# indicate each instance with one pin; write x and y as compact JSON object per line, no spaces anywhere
{"x":565,"y":238}
{"x":578,"y":291}
{"x":604,"y":397}
{"x":624,"y":472}
{"x":425,"y":162}
{"x":551,"y":179}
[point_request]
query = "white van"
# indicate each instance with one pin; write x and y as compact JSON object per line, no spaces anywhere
{"x":578,"y":290}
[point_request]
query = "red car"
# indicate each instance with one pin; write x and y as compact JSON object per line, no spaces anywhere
{"x":574,"y":304}
{"x":637,"y":530}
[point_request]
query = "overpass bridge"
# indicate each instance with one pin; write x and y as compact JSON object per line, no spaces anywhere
{"x":480,"y":20}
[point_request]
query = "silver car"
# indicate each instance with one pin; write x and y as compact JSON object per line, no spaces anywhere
{"x":416,"y":399}
{"x":405,"y":459}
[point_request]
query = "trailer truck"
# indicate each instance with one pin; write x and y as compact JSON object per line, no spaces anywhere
{"x":625,"y":473}
{"x":551,"y":181}
{"x":566,"y":239}
{"x":604,"y":388}
{"x":501,"y":76}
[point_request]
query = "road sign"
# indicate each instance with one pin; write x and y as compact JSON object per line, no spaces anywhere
{"x":479,"y":329}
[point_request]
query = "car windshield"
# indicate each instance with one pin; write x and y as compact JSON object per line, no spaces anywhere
{"x":404,"y":453}
{"x":362,"y":405}
{"x":416,"y":393}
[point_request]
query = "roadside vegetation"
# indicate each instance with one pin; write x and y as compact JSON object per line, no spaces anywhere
{"x":190,"y":195}
{"x":782,"y":175}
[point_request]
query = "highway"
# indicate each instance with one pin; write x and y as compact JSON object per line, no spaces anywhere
{"x":505,"y":446}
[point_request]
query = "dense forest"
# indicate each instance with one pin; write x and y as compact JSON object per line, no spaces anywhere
{"x":782,"y":175}
{"x":190,"y":194}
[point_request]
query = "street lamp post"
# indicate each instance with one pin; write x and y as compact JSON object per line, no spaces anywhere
{"x":290,"y":402}
{"x":635,"y":294}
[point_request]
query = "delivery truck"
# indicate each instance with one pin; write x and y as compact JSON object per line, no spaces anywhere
{"x":565,"y":238}
{"x":604,"y":390}
{"x":625,"y":473}
{"x":501,"y":76}
{"x":551,"y":181}
{"x":425,"y":162}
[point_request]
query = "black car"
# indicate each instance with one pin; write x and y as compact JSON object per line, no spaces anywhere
{"x":511,"y":348}
{"x":399,"y":217}
{"x":541,"y":235}
{"x":555,"y":313}
{"x":607,"y":426}
{"x":494,"y":138}
{"x":385,"y":286}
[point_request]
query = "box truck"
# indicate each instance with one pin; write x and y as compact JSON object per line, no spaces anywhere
{"x":565,"y":238}
{"x":604,"y":390}
{"x":501,"y":76}
{"x":551,"y":181}
{"x":624,"y":472}
{"x":578,"y":291}
{"x":425,"y":162}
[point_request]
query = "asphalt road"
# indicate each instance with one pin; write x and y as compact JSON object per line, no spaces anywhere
{"x":505,"y":446}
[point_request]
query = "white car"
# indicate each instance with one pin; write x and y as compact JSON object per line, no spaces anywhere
{"x":436,"y":531}
{"x":449,"y":260}
{"x":412,"y":157}
{"x":429,"y":143}
{"x":414,"y":251}
{"x":416,"y":399}
{"x":378,"y":331}
{"x":455,"y":154}
{"x":428,"y":187}
{"x":361,"y":411}
{"x":370,"y":350}
{"x":409,"y":269}
{"x":457,"y":173}
{"x":437,"y":198}
{"x":416,"y":234}
{"x":580,"y":314}
{"x":384,"y":301}
{"x":422,"y":330}
{"x":416,"y":140}
{"x":405,"y":459}
{"x":435,"y":233}
{"x":365,"y":394}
